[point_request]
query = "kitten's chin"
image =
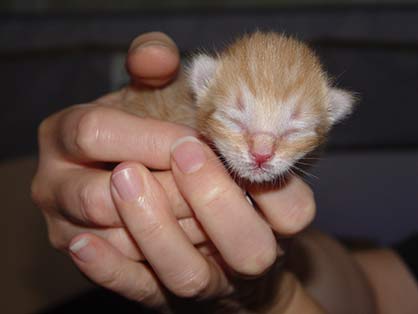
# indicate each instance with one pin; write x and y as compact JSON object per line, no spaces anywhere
{"x":247,"y":172}
{"x":244,"y":170}
{"x":260,"y":175}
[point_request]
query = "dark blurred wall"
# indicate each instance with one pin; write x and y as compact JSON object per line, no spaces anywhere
{"x":138,"y":5}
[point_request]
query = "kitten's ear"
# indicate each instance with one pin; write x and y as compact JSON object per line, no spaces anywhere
{"x":201,"y":72}
{"x":340,"y":105}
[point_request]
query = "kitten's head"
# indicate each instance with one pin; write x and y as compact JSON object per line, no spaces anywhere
{"x":265,"y":103}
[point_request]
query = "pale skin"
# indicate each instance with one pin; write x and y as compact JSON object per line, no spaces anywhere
{"x":111,"y":221}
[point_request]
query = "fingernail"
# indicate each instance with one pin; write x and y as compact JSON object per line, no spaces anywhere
{"x":83,"y":250}
{"x":127,"y":183}
{"x":249,"y":200}
{"x":148,"y":44}
{"x":188,"y":154}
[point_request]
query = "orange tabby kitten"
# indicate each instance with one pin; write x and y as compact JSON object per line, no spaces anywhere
{"x":264,"y":103}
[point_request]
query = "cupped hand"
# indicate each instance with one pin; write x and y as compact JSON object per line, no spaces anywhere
{"x":76,"y":145}
{"x":241,"y":240}
{"x":113,"y":220}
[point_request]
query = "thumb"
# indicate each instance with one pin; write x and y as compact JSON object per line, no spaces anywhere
{"x":153,"y":59}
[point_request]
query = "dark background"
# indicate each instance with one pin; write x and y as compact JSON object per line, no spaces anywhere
{"x":56,"y":55}
{"x":53,"y":59}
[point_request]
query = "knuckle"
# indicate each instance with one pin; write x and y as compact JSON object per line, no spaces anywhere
{"x":88,"y":131}
{"x":147,"y":292}
{"x":153,"y":144}
{"x":91,"y":204}
{"x":212,"y":199}
{"x":192,"y":283}
{"x":150,"y":230}
{"x":111,"y":279}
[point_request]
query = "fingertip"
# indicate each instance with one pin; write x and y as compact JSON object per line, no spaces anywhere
{"x":153,"y":59}
{"x":261,"y":260}
{"x":127,"y":184}
{"x":288,"y":209}
{"x":124,"y":165}
{"x":107,"y":267}
{"x":82,"y":248}
{"x":306,"y":205}
{"x":150,"y":37}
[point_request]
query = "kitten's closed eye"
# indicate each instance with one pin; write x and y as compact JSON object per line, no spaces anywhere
{"x":290,"y":132}
{"x":239,"y":125}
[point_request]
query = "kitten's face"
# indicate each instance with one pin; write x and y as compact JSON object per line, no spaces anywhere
{"x":265,"y":103}
{"x":261,"y":138}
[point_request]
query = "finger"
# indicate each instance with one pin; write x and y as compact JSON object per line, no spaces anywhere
{"x":145,"y":211}
{"x":243,"y":238}
{"x":178,"y":204}
{"x":107,"y":267}
{"x":153,"y":59}
{"x":83,"y":196}
{"x":288,"y":209}
{"x":62,"y":231}
{"x":193,"y":230}
{"x":96,"y":133}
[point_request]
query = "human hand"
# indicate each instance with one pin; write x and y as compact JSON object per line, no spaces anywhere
{"x":248,"y":248}
{"x":71,"y":185}
{"x":72,"y":188}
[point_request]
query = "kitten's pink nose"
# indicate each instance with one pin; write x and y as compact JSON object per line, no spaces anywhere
{"x":262,"y":147}
{"x":261,"y":159}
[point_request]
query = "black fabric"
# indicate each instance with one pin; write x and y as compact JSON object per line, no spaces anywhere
{"x":98,"y":301}
{"x":408,"y":251}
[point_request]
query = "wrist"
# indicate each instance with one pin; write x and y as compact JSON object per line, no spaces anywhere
{"x":393,"y":286}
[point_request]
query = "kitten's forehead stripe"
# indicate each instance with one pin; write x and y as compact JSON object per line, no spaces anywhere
{"x":271,"y":64}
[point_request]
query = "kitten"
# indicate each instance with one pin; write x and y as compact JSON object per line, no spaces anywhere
{"x":264,"y":103}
